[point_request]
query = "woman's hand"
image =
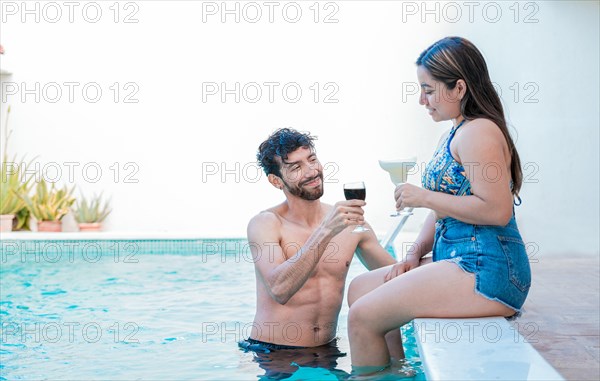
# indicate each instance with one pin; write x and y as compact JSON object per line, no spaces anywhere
{"x":400,"y":268}
{"x":409,"y":196}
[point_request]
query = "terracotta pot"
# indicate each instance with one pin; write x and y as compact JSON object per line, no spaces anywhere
{"x":49,"y":226}
{"x":90,"y":226}
{"x":6,"y":222}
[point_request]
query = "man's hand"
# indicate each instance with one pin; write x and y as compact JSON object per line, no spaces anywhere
{"x":400,"y":268}
{"x":344,"y":214}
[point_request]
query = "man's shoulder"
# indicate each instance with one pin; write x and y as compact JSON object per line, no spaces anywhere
{"x":266,"y":219}
{"x":264,"y":227}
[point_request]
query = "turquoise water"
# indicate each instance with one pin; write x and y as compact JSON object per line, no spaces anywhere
{"x":142,"y":316}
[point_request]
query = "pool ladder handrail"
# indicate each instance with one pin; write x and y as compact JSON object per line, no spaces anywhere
{"x":388,"y":241}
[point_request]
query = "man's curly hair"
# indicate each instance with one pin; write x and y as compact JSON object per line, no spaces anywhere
{"x":281,"y":143}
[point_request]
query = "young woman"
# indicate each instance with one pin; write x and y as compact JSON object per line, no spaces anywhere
{"x":480,"y":266}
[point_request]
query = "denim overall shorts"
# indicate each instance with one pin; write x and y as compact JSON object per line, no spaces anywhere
{"x":495,"y":254}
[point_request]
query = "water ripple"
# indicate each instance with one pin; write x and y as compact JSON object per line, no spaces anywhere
{"x":54,"y":292}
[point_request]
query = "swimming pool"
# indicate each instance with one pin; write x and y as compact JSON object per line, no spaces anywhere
{"x":125,"y":310}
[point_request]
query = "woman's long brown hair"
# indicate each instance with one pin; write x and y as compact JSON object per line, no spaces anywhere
{"x":454,"y":58}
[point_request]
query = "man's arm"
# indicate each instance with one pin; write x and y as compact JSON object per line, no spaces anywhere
{"x":284,"y":277}
{"x":371,"y":253}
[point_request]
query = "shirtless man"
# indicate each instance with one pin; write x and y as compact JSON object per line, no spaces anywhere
{"x":302,"y":249}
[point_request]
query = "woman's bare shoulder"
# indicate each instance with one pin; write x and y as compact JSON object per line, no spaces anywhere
{"x":480,"y":128}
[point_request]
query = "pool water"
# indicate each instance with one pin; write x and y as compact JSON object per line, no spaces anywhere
{"x":148,"y":317}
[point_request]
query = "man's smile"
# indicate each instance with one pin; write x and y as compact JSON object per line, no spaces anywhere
{"x":313,"y":183}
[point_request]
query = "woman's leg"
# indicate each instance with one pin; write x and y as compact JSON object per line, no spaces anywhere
{"x":440,"y":289}
{"x":367,"y":282}
{"x":362,"y":285}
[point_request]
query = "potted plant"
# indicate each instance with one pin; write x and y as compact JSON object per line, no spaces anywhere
{"x":11,"y":188}
{"x":90,"y":214}
{"x":49,"y":206}
{"x":13,"y":184}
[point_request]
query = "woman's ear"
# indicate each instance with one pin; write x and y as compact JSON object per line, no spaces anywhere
{"x":461,"y":86}
{"x":275,"y":181}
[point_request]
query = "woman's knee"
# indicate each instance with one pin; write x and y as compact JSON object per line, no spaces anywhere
{"x":355,"y":290}
{"x":359,"y":316}
{"x":362,"y":318}
{"x":363,"y":284}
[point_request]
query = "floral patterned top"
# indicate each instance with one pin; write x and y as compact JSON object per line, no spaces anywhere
{"x":443,"y":173}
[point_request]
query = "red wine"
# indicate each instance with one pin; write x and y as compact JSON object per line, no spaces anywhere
{"x":355,"y":194}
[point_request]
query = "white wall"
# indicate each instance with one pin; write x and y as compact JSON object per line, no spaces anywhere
{"x":171,"y":135}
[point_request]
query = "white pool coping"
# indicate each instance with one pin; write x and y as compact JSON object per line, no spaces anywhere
{"x":478,"y":349}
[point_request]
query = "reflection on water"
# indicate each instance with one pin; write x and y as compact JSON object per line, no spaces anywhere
{"x":319,"y":362}
{"x":323,"y":363}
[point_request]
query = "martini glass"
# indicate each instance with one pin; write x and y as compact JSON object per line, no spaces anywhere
{"x":398,"y":171}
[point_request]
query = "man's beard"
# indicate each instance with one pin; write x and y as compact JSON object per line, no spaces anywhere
{"x":305,"y":194}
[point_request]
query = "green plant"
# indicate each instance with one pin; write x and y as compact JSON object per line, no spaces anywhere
{"x":13,"y":184}
{"x":49,"y":204}
{"x":91,"y":211}
{"x":22,"y":218}
{"x":11,"y":187}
